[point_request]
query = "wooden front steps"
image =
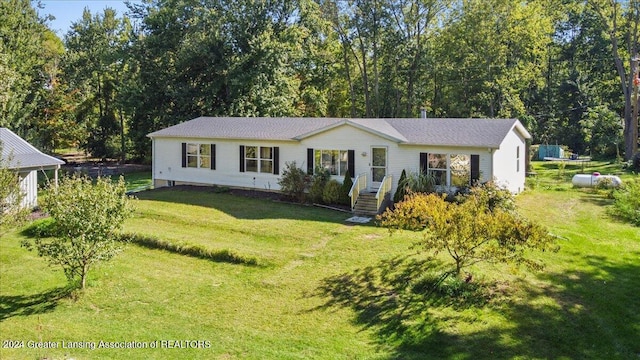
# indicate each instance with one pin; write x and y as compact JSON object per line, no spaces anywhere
{"x":366,"y":204}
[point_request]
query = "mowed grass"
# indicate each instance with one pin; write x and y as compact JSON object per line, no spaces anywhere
{"x":264,"y":311}
{"x":137,"y":181}
{"x":323,"y":289}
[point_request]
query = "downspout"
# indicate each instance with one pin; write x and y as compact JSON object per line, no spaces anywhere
{"x":491,"y":165}
{"x":527,"y":156}
{"x":153,"y":162}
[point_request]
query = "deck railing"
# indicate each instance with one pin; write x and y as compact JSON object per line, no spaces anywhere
{"x":385,"y":188}
{"x":359,"y":184}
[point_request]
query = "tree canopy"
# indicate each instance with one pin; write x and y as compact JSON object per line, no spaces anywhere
{"x":482,"y":227}
{"x":564,"y":68}
{"x":86,"y":220}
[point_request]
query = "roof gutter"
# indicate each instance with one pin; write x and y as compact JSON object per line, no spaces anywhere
{"x":153,"y":137}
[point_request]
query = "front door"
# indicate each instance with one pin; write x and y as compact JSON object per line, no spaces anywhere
{"x":378,"y":166}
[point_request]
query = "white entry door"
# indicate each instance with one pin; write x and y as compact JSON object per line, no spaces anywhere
{"x":378,"y":166}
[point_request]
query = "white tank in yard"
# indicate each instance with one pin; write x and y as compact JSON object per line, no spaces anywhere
{"x":586,"y":180}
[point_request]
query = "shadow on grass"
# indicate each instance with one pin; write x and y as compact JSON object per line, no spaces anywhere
{"x":598,"y":198}
{"x":263,"y":205}
{"x":45,"y":228}
{"x":571,"y":315}
{"x":397,"y":299}
{"x":594,"y":313}
{"x":25,"y":305}
{"x":603,"y":198}
{"x":199,"y":252}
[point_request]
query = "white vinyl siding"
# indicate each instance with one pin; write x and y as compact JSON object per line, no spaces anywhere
{"x":166,"y":160}
{"x":508,"y":161}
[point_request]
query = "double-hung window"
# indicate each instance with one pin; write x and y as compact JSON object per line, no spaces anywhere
{"x":457,"y":170}
{"x":260,"y":159}
{"x":336,"y":162}
{"x":195,"y":155}
{"x":437,"y":167}
{"x":460,"y":170}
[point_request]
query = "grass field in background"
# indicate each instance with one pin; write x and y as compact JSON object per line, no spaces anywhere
{"x":323,"y":289}
{"x":137,"y":181}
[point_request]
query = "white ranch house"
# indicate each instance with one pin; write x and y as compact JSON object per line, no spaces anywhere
{"x":26,"y":160}
{"x":251,"y":152}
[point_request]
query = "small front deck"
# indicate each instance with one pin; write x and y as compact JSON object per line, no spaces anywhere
{"x":370,"y":202}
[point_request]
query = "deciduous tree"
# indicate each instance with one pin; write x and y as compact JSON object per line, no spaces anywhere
{"x":621,"y":21}
{"x":95,"y":67}
{"x":22,"y":65}
{"x":469,"y":232}
{"x":87,"y":218}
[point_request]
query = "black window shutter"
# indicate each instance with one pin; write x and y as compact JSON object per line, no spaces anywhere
{"x":475,"y":169}
{"x":276,"y":160}
{"x":184,"y":154}
{"x":241,"y":158}
{"x":310,"y":161}
{"x":423,"y":162}
{"x":213,"y":156}
{"x":351,"y":163}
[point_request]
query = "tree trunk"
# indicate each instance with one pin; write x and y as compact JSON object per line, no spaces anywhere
{"x":631,"y":116}
{"x":626,"y":81}
{"x":83,"y":276}
{"x":376,"y":79}
{"x":347,"y":70}
{"x":365,"y":77}
{"x":123,"y":153}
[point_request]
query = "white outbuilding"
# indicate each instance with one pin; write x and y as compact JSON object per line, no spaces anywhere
{"x":26,"y":160}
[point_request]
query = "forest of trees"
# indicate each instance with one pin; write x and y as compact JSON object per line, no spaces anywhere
{"x":565,"y":68}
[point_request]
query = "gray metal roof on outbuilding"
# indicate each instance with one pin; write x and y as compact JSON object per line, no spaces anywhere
{"x":22,"y":155}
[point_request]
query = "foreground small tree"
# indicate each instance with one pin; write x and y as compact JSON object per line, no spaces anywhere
{"x":469,"y":231}
{"x":87,"y":218}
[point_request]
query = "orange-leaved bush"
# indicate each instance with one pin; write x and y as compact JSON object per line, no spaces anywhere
{"x":469,"y":231}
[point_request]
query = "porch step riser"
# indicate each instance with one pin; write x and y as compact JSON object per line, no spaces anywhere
{"x":366,"y":205}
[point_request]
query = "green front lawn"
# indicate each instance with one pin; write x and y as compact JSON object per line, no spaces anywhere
{"x":323,"y":289}
{"x":137,"y":181}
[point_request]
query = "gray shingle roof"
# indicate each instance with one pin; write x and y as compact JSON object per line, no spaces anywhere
{"x":22,"y":155}
{"x":438,"y":132}
{"x":457,"y":132}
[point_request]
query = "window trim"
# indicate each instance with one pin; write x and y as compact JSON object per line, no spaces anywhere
{"x":198,"y":155}
{"x":350,"y":157}
{"x":474,"y":164}
{"x":274,"y":159}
